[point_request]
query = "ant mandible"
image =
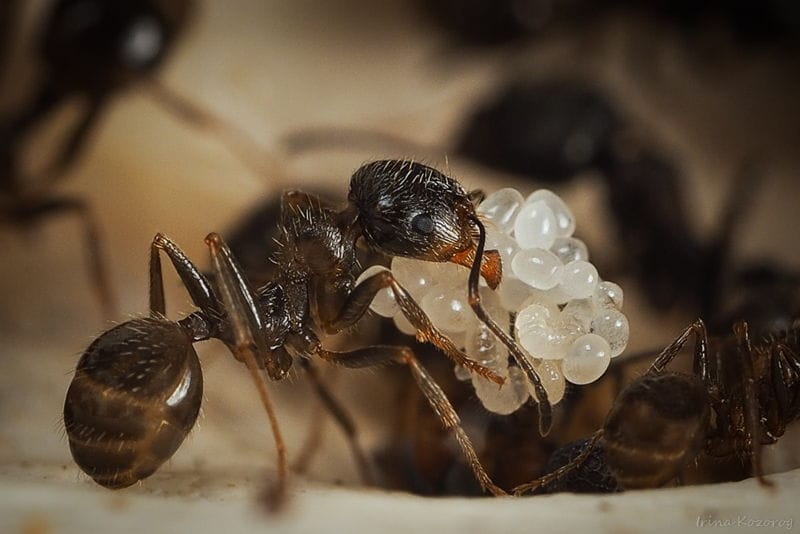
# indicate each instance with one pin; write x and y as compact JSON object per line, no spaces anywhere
{"x":137,"y":388}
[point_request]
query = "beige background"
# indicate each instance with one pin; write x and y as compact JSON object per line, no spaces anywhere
{"x":273,"y":67}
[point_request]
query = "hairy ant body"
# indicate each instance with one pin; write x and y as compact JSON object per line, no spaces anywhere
{"x":397,"y":207}
{"x":741,"y":396}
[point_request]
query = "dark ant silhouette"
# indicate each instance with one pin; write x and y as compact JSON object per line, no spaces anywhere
{"x":137,"y":388}
{"x":91,"y":52}
{"x":741,"y":396}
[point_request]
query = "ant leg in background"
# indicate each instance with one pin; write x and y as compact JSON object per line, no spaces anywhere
{"x":249,"y":344}
{"x":341,"y":417}
{"x":545,"y":410}
{"x":338,"y":317}
{"x":734,"y":212}
{"x":98,"y":270}
{"x":382,"y":354}
{"x":236,"y":140}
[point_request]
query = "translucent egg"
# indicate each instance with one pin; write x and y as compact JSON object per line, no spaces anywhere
{"x":450,"y":275}
{"x":537,"y":267}
{"x":579,"y":279}
{"x":552,"y":378}
{"x":502,"y":400}
{"x":608,"y":295}
{"x":482,"y":346}
{"x":462,"y":373}
{"x":501,"y":208}
{"x":535,"y":226}
{"x":543,"y":341}
{"x":612,"y":325}
{"x":447,"y":309}
{"x":576,"y":317}
{"x":513,"y":292}
{"x":384,"y":303}
{"x":586,"y":360}
{"x":531,"y":316}
{"x":404,"y":325}
{"x":414,"y":275}
{"x":569,"y":249}
{"x":504,"y":244}
{"x":565,"y":221}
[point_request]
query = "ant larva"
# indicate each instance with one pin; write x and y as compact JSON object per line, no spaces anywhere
{"x":741,"y":396}
{"x":137,"y":388}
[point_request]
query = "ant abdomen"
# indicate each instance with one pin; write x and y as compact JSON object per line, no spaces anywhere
{"x":134,"y":398}
{"x":657,"y":426}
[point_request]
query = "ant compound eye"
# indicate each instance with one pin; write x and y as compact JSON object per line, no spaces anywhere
{"x":423,"y":223}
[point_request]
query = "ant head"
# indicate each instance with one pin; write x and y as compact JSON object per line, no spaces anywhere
{"x":102,"y":43}
{"x":405,"y":208}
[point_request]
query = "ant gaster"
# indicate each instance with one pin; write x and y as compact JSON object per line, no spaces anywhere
{"x":137,"y":388}
{"x":741,"y":396}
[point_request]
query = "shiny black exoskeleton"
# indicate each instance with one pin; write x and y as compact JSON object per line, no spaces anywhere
{"x":313,"y":291}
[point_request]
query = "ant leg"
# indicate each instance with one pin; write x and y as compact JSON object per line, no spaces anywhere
{"x":342,"y":418}
{"x":337,"y":317}
{"x":561,"y":471}
{"x":98,"y":271}
{"x":734,"y":212}
{"x":382,"y":354}
{"x":260,"y":161}
{"x":77,"y":138}
{"x":248,"y":343}
{"x":193,"y":280}
{"x":752,"y":413}
{"x":698,"y":328}
{"x":545,"y":410}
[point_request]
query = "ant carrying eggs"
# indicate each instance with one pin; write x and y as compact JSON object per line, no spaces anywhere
{"x":550,"y":296}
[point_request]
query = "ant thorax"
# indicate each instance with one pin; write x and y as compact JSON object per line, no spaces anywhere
{"x":551,"y":297}
{"x":315,"y":252}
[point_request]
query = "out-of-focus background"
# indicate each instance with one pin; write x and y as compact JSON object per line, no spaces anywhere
{"x":706,"y":89}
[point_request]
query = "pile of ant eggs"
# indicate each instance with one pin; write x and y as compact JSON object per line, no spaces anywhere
{"x":551,"y":298}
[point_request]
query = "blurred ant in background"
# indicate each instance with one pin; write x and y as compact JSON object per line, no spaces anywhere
{"x":91,"y":52}
{"x":482,"y":23}
{"x":741,"y":396}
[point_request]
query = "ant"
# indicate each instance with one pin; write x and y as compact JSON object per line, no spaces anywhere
{"x":92,"y":51}
{"x":741,"y":396}
{"x":137,"y":388}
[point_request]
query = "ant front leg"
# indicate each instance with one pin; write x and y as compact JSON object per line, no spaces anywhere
{"x":382,"y":354}
{"x":249,"y":343}
{"x":336,"y":318}
{"x":545,"y":409}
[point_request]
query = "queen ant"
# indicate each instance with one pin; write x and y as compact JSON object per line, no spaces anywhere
{"x":137,"y":388}
{"x":741,"y":396}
